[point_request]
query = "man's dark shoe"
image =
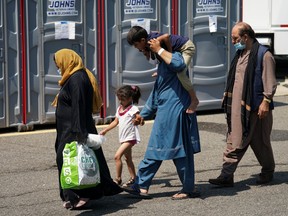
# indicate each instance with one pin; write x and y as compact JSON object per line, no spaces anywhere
{"x":222,"y":181}
{"x":264,"y":178}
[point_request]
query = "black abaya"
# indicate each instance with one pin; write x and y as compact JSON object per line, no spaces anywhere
{"x":73,"y":122}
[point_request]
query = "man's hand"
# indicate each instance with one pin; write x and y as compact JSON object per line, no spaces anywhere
{"x":263,"y":109}
{"x":154,"y":45}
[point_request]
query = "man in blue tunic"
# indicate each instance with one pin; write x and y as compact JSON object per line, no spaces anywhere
{"x":174,"y":134}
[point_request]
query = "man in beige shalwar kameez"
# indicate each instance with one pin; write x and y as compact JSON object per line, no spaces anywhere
{"x":248,"y":105}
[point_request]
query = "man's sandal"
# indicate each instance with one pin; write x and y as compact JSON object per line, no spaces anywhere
{"x":135,"y":190}
{"x":181,"y":195}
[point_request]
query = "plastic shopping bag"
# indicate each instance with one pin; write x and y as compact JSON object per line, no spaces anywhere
{"x":95,"y":141}
{"x":80,"y":167}
{"x":195,"y":139}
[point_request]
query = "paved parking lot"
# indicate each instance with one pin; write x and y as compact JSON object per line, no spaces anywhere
{"x":29,"y":185}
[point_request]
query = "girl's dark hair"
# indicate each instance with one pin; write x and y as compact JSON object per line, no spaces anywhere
{"x":127,"y":91}
{"x":135,"y":34}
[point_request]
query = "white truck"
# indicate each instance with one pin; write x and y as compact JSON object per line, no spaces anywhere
{"x":269,"y":19}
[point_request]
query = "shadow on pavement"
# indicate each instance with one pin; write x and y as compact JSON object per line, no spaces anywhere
{"x":108,"y":205}
{"x":207,"y":190}
{"x":278,"y":104}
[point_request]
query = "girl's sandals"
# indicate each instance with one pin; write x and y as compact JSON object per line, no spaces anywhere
{"x":118,"y":181}
{"x":130,"y":182}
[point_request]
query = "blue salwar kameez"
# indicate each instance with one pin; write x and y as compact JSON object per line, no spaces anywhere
{"x":175,"y":133}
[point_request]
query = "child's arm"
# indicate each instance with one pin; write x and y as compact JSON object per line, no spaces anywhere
{"x":112,"y":125}
{"x":165,"y":38}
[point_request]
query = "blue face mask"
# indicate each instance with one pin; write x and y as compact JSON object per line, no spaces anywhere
{"x":240,"y":46}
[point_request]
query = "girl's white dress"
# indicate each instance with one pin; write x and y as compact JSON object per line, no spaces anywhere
{"x":127,"y":130}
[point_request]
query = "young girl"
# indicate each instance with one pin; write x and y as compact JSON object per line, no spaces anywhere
{"x":128,"y":132}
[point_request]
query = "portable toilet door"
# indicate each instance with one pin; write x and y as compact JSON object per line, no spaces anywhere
{"x":2,"y":69}
{"x":209,"y":24}
{"x":11,"y":91}
{"x":125,"y":65}
{"x":51,"y":26}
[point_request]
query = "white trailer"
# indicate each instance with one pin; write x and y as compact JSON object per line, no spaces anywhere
{"x":269,"y":19}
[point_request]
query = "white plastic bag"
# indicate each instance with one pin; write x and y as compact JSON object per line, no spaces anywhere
{"x":88,"y":167}
{"x":95,"y":141}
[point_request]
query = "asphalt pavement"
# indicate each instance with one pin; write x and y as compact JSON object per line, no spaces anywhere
{"x":29,"y":186}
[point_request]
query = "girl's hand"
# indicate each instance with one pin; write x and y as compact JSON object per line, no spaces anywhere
{"x":138,"y":120}
{"x":103,"y":132}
